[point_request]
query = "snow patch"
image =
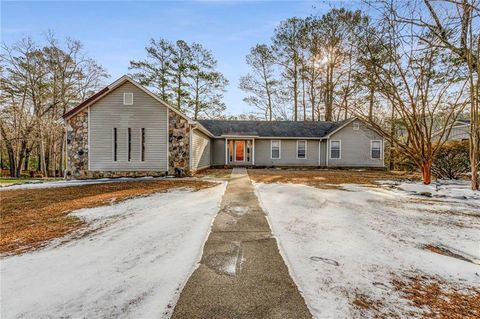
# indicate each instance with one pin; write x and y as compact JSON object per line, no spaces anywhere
{"x":339,"y":242}
{"x":132,"y":268}
{"x":67,"y":183}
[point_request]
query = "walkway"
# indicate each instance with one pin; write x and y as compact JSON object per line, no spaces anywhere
{"x":241,"y":273}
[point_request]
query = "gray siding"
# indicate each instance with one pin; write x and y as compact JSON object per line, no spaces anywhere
{"x":288,"y":153}
{"x":355,"y":147}
{"x":200,"y":150}
{"x":459,"y":133}
{"x":146,"y":112}
{"x":218,"y":152}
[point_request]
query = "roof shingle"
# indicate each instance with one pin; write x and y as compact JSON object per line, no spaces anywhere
{"x":271,"y":128}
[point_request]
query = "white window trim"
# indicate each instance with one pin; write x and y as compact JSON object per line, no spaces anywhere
{"x":330,"y":150}
{"x":302,"y":158}
{"x":371,"y":149}
{"x":356,"y":126}
{"x":279,"y":149}
{"x":125,"y":99}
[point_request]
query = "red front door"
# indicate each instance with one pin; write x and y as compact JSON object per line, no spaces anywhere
{"x":239,"y":151}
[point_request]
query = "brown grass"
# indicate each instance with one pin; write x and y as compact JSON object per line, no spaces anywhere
{"x":30,"y":217}
{"x":363,"y":302}
{"x":445,"y":252}
{"x":326,"y":178}
{"x":439,"y":299}
{"x":222,"y":173}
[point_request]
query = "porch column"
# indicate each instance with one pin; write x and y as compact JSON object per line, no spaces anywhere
{"x":253,"y":151}
{"x":226,"y":151}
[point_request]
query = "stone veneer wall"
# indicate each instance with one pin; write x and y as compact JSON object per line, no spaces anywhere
{"x":178,"y":143}
{"x":77,"y":145}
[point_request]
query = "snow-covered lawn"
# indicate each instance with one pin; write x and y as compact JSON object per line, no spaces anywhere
{"x":343,"y":243}
{"x":133,"y":267}
{"x":36,"y":184}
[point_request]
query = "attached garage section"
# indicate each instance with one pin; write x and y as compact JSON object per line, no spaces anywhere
{"x":128,"y":132}
{"x":201,"y":150}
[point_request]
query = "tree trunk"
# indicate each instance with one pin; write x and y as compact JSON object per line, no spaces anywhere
{"x":11,"y":162}
{"x":295,"y":94}
{"x":304,"y":99}
{"x":43,"y":164}
{"x":329,"y":94}
{"x":391,"y":161}
{"x":427,"y":172}
{"x":27,"y":159}
{"x":371,"y":100}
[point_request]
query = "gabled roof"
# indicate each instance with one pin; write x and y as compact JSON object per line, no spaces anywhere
{"x":106,"y":90}
{"x":285,"y":129}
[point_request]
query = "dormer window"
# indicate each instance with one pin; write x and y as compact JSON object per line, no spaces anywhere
{"x":127,"y":98}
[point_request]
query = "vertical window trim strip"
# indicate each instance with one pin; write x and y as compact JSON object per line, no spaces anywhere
{"x":142,"y":155}
{"x":129,"y":141}
{"x":115,"y":144}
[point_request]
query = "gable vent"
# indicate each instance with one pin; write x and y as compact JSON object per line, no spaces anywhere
{"x":127,"y":98}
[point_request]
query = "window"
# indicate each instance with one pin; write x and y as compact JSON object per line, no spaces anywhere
{"x":376,"y":149}
{"x":335,"y":149}
{"x":127,"y":98}
{"x":275,"y":149}
{"x":356,"y":126}
{"x":143,"y":145}
{"x":115,"y":147}
{"x":301,"y":149}
{"x":129,"y":144}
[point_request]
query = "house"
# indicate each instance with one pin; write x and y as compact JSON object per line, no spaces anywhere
{"x":460,"y":131}
{"x":126,"y":130}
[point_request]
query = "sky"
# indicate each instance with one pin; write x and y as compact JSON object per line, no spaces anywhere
{"x":115,"y":32}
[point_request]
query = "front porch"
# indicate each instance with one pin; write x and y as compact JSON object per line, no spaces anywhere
{"x":239,"y":151}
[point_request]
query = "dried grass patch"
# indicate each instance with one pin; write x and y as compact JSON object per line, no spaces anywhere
{"x":326,"y":179}
{"x":30,"y":217}
{"x":222,"y":173}
{"x":363,"y":302}
{"x":445,"y":252}
{"x":438,"y":299}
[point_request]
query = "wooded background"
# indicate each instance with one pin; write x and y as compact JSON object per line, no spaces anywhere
{"x":410,"y":70}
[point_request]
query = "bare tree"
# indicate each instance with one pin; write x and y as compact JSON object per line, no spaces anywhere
{"x":155,"y":71}
{"x":287,"y":49}
{"x":42,"y":83}
{"x":261,"y":83}
{"x":207,"y":85}
{"x":426,"y":93}
{"x":453,"y":25}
